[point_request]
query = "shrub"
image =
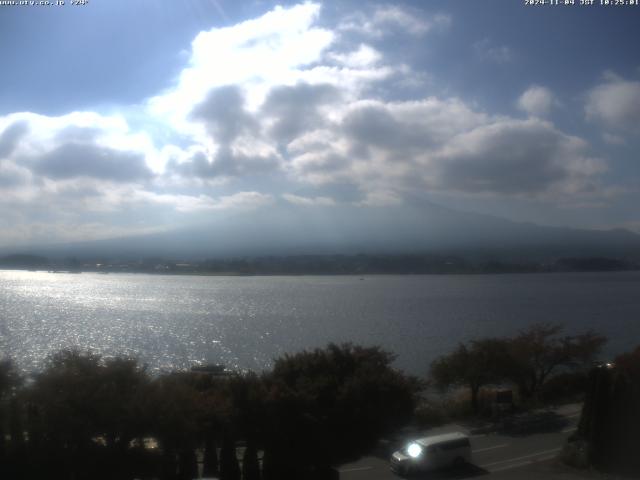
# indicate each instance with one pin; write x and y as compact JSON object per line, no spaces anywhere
{"x":564,"y":387}
{"x":428,"y":414}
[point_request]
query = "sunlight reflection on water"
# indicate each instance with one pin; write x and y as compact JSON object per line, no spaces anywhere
{"x":244,"y":322}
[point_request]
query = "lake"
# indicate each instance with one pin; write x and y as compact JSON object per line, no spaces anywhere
{"x":244,"y":322}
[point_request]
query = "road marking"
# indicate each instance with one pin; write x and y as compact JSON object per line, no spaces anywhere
{"x":544,"y":452}
{"x":574,"y":415}
{"x":354,"y":469}
{"x":490,"y":448}
{"x":570,"y":429}
{"x":522,"y":464}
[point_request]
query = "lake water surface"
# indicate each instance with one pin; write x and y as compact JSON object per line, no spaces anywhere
{"x":244,"y":322}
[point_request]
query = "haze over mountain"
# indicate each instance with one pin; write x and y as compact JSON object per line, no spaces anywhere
{"x":388,"y":230}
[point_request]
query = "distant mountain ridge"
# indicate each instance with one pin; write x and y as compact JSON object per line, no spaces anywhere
{"x":384,"y":230}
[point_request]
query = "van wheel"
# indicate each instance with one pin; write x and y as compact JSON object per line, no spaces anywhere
{"x":458,"y":462}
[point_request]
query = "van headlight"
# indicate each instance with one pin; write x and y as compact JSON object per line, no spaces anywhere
{"x":414,"y":450}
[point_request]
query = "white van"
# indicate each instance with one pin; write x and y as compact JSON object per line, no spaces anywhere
{"x":432,"y":453}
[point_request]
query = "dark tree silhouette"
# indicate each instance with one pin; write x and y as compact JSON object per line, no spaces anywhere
{"x":229,"y":467}
{"x":609,"y":415}
{"x":11,"y":421}
{"x":331,"y":405}
{"x":210,"y":465}
{"x":250,"y":463}
{"x":527,"y":360}
{"x":79,"y":406}
{"x":172,"y":404}
{"x":539,"y":351}
{"x":474,"y":365}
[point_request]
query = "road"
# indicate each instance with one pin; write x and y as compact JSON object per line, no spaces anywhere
{"x":531,"y":443}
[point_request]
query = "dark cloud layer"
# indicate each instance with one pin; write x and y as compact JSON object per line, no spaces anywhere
{"x":507,"y":158}
{"x":11,"y":178}
{"x":225,"y":164}
{"x":83,"y":160}
{"x":376,"y":126}
{"x":295,"y":109}
{"x":223,"y":114}
{"x":10,"y":137}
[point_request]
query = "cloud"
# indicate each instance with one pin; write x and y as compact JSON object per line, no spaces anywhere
{"x":374,"y":142}
{"x":365,"y":56}
{"x":293,"y":110}
{"x":521,"y":157}
{"x":309,"y":201}
{"x":223,"y":114}
{"x":13,"y":176}
{"x":258,"y":54}
{"x":615,"y":104}
{"x":84,"y":170}
{"x":488,"y":51}
{"x":227,"y":162}
{"x":387,"y":19}
{"x":10,"y":137}
{"x":388,"y":149}
{"x":408,"y":125}
{"x":244,"y":200}
{"x":191,"y":203}
{"x":380,"y":198}
{"x":537,"y":101}
{"x":76,"y":160}
{"x":48,"y":133}
{"x":612,"y":139}
{"x":275,"y":104}
{"x":22,"y":231}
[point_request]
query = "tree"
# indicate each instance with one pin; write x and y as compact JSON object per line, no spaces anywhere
{"x":611,"y":410}
{"x":527,"y":360}
{"x":630,"y":363}
{"x":229,"y":467}
{"x":81,"y":402}
{"x":474,"y":365}
{"x":330,"y":405}
{"x":171,"y":405}
{"x":539,"y":351}
{"x":9,"y":378}
{"x":9,"y":381}
{"x":250,"y":463}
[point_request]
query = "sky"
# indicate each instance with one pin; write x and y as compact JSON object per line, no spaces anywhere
{"x":122,"y":118}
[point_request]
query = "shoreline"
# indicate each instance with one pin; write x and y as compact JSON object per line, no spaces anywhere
{"x":315,"y":274}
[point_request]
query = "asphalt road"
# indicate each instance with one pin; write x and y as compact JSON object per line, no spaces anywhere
{"x":527,"y":442}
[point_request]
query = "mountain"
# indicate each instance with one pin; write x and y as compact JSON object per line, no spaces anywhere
{"x":389,"y":230}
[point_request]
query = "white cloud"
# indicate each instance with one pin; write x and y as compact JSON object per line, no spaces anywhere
{"x":488,"y":51}
{"x":309,"y":201}
{"x":615,"y":103}
{"x":190,"y":203}
{"x":364,"y":56}
{"x":612,"y":139}
{"x":47,"y":133}
{"x":244,"y":200}
{"x":537,"y":101}
{"x":282,"y":48}
{"x":255,"y":54}
{"x":389,"y":148}
{"x":270,"y":105}
{"x":380,"y":198}
{"x":387,"y":19}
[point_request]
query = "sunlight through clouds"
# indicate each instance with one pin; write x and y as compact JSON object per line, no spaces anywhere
{"x":300,"y":106}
